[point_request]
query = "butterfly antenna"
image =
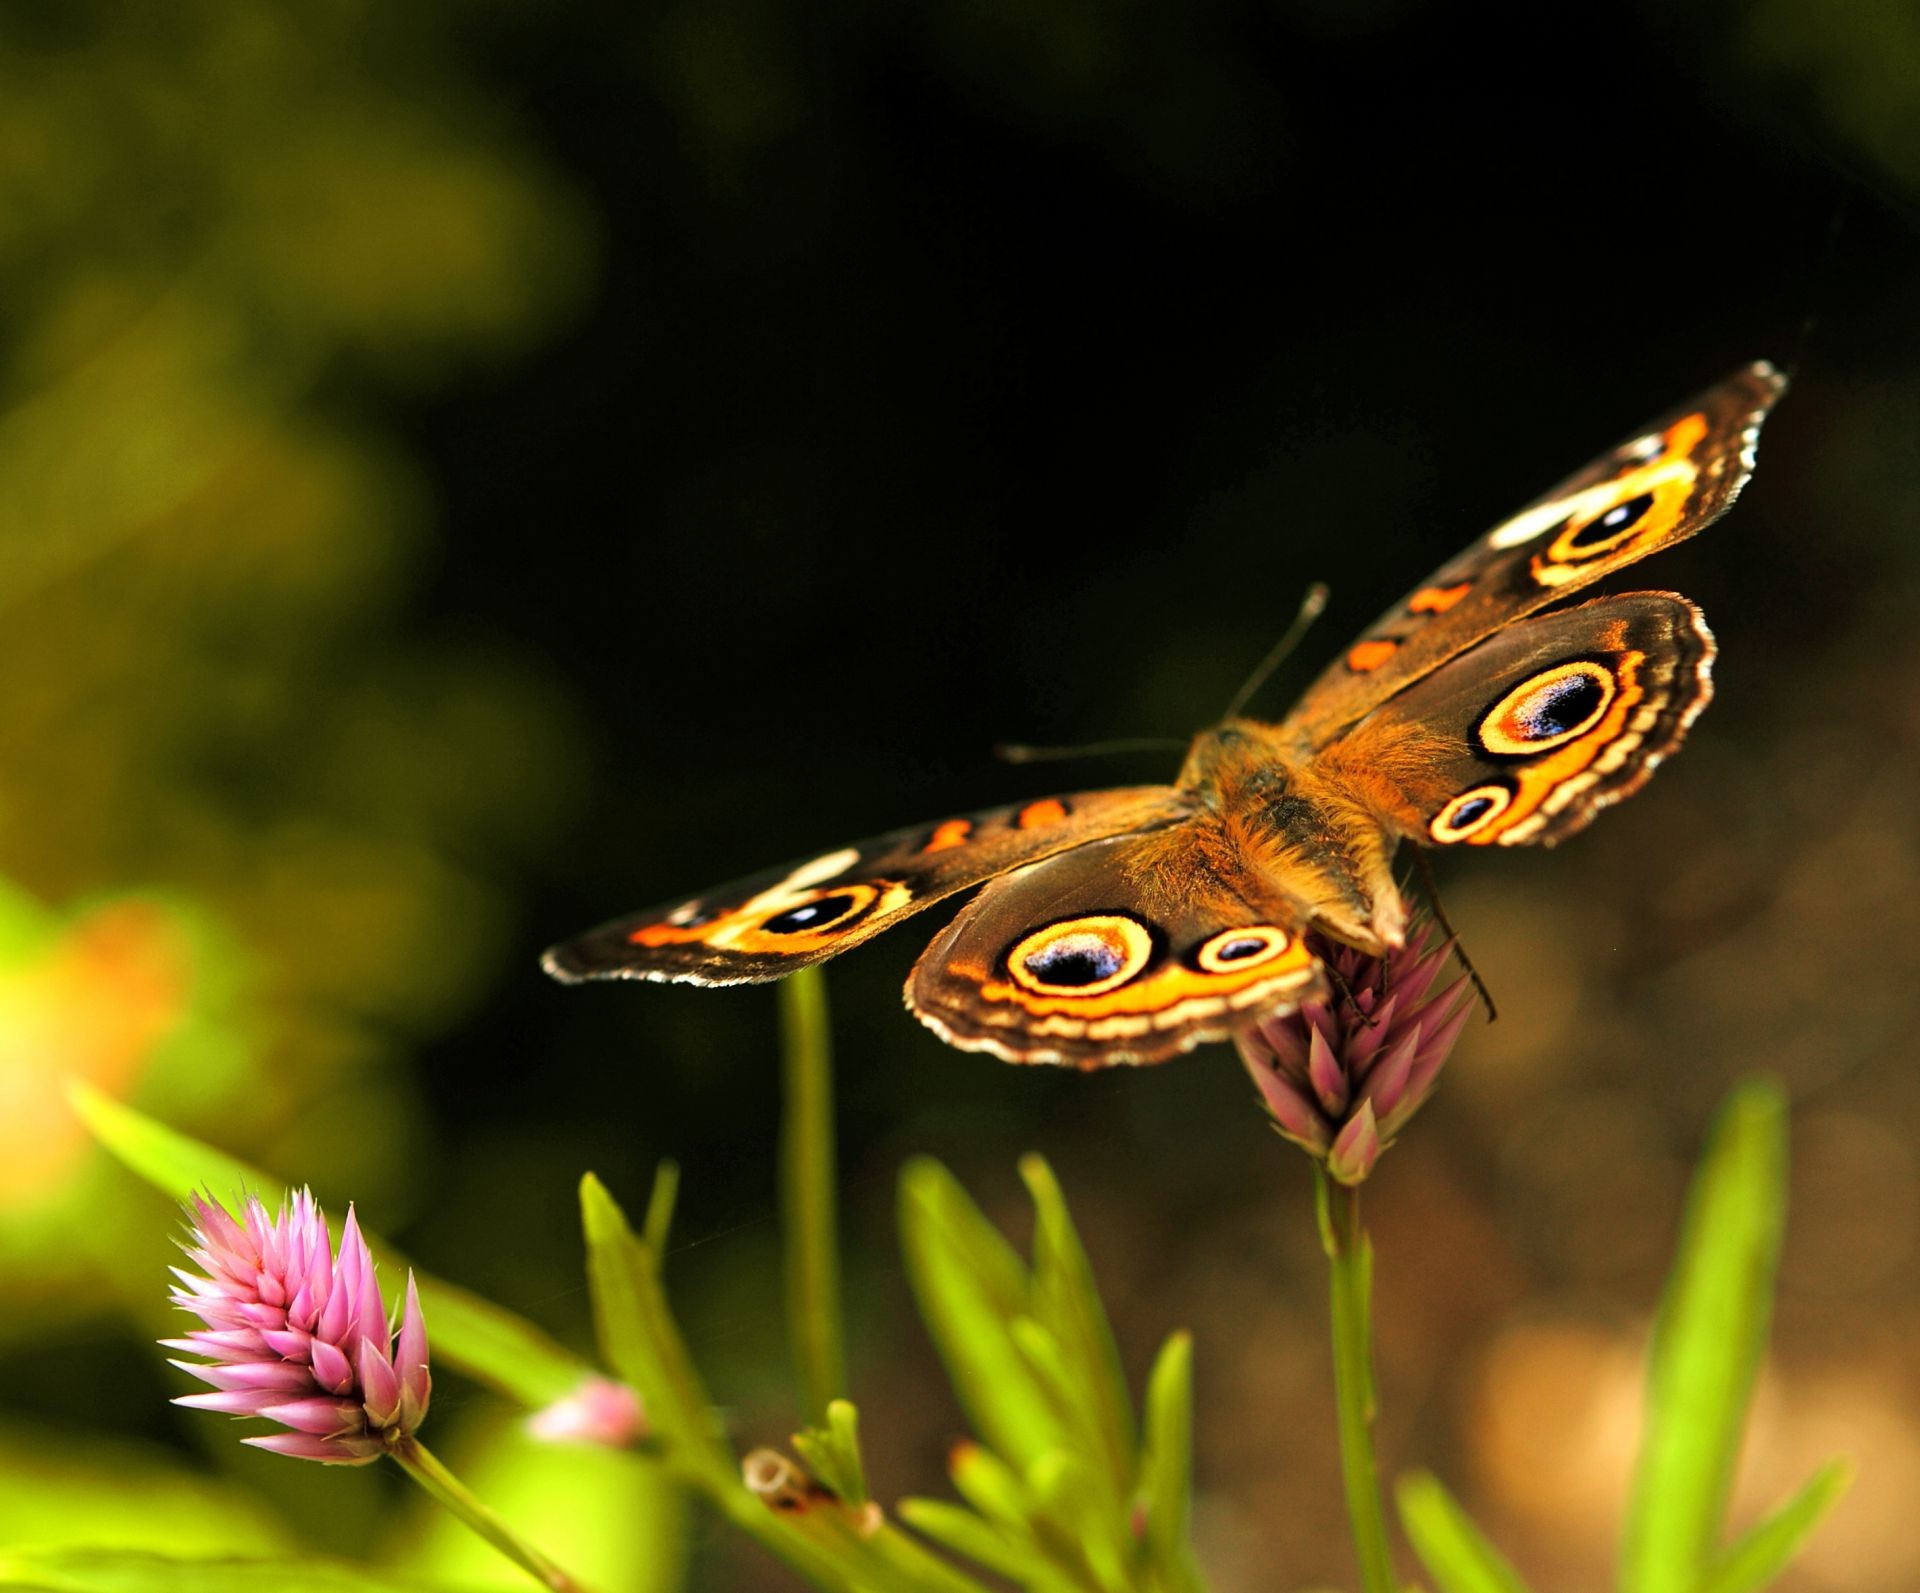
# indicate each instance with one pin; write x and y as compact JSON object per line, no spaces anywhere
{"x":1018,"y":752}
{"x":1433,"y":900}
{"x":1310,"y":609}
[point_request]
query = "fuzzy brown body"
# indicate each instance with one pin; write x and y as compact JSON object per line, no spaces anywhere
{"x":1319,"y":834}
{"x":1130,"y":925}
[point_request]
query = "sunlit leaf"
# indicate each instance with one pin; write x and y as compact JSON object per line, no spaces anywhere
{"x":1454,"y":1551}
{"x":971,"y":1286}
{"x":614,"y":1518}
{"x":1707,"y":1345}
{"x":111,"y":1571}
{"x":1166,"y":1463}
{"x":1763,"y":1553}
{"x":1067,"y":1302}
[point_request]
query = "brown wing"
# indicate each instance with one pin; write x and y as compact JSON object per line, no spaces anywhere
{"x":766,"y":926}
{"x":1132,"y":949}
{"x":1656,"y":489}
{"x":1527,"y":736}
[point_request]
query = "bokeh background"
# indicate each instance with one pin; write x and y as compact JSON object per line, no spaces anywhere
{"x":467,"y":470}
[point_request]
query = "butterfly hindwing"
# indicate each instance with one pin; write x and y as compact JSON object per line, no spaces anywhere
{"x":1659,"y":487}
{"x":1132,"y":949}
{"x":1528,"y":735}
{"x":769,"y":924}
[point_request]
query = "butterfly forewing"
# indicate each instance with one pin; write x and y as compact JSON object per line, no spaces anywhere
{"x":771,"y":923}
{"x":1659,"y":487}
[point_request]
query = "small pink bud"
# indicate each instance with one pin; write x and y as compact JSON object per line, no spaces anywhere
{"x":599,"y":1411}
{"x":298,"y":1335}
{"x":1356,"y":1149}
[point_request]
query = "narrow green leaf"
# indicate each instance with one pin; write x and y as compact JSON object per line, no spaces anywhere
{"x":807,"y":1190}
{"x":1708,"y":1340}
{"x":132,"y":1571}
{"x":1454,"y":1551}
{"x":1763,"y":1553}
{"x":832,"y":1453}
{"x":657,"y":1226}
{"x":1067,"y":1302}
{"x":970,"y":1286}
{"x":478,"y":1337}
{"x":1016,"y":1558}
{"x":992,"y":1487}
{"x":1166,"y":1465}
{"x":642,"y":1343}
{"x":639,"y":1340}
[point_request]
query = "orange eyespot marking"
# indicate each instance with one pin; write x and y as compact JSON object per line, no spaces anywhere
{"x":1636,"y":511}
{"x":1235,"y":950}
{"x":1469,"y":813}
{"x":953,"y":833}
{"x":781,"y":919}
{"x":1082,"y":956}
{"x":1048,"y":810}
{"x":1437,"y":599}
{"x":1363,"y":657}
{"x":1548,"y":710}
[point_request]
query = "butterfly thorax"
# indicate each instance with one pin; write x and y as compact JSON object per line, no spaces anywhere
{"x":1309,"y":835}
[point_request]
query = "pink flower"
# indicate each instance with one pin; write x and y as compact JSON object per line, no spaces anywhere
{"x":1341,"y":1077}
{"x":599,"y":1411}
{"x":298,"y":1337}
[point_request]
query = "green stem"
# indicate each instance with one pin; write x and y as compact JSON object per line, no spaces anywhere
{"x":807,"y":1194}
{"x":420,"y":1464}
{"x":1350,"y":1263}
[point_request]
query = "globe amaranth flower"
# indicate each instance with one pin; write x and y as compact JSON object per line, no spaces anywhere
{"x":297,"y":1335}
{"x":1340,"y":1077}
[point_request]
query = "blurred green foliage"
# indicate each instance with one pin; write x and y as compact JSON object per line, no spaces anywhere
{"x":219,"y":226}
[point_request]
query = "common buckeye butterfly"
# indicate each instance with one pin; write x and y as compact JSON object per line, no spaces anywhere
{"x":1130,"y":925}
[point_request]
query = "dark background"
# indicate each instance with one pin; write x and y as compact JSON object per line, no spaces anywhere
{"x":862,"y":386}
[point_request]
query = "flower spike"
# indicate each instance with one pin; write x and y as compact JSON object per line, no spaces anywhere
{"x":298,"y":1335}
{"x":1340,"y":1078}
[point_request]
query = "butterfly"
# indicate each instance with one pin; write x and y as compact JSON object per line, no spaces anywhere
{"x":1128,"y":926}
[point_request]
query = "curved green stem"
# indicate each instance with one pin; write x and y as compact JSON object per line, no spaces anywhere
{"x":1350,"y":1264}
{"x":424,"y":1467}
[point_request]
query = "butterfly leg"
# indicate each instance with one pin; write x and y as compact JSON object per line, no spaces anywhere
{"x":1432,"y":889}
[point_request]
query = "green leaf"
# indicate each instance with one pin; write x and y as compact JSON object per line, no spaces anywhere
{"x":1708,"y":1340}
{"x":1166,"y":1464}
{"x":476,"y":1336}
{"x":122,"y":1571}
{"x":1067,"y":1303}
{"x":1759,"y":1557}
{"x":1455,"y":1553}
{"x":832,"y":1453}
{"x":642,"y":1343}
{"x":1014,"y":1557}
{"x":971,"y":1286}
{"x":639,"y":1339}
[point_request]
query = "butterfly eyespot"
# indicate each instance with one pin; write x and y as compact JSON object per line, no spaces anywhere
{"x":1586,"y":539}
{"x":1469,"y":813}
{"x":820,"y":913}
{"x":1548,"y":709}
{"x":1232,"y":950}
{"x":1082,"y":956}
